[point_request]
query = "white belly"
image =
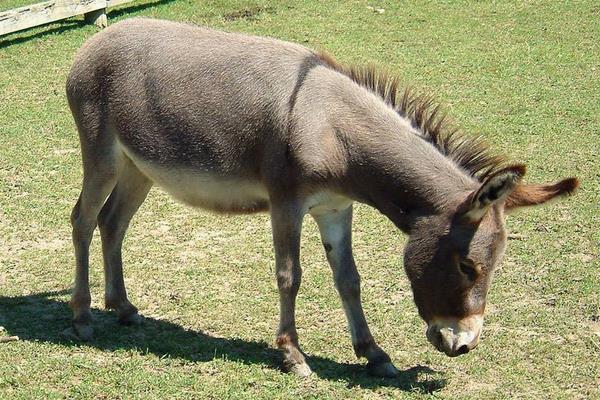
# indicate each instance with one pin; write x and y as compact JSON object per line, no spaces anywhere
{"x":207,"y":190}
{"x":225,"y":193}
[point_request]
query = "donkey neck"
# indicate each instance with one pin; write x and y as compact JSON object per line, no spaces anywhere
{"x":389,"y":165}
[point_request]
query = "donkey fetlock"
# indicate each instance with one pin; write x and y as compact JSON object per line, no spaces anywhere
{"x":127,"y":313}
{"x":82,"y":326}
{"x":379,"y":362}
{"x":293,"y":359}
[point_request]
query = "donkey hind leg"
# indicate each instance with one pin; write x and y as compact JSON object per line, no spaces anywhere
{"x":336,"y":234}
{"x":99,"y":179}
{"x":286,"y":221}
{"x":127,"y":196}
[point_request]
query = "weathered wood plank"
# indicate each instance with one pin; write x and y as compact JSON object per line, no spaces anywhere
{"x":42,"y":13}
{"x":114,"y":3}
{"x":50,"y":11}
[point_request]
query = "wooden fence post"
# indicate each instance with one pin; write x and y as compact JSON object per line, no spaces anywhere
{"x":97,"y":17}
{"x":54,"y":10}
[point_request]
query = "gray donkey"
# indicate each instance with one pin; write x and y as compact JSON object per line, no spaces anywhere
{"x":243,"y":124}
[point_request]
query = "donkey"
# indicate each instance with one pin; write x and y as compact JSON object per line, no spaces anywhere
{"x":242,"y":124}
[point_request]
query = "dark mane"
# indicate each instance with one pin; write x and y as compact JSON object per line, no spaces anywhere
{"x":471,"y":153}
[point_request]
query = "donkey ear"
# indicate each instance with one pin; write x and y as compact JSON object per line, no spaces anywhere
{"x":496,"y":188}
{"x":532,"y":195}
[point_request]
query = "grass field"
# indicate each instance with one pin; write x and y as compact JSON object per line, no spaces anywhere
{"x":524,"y":74}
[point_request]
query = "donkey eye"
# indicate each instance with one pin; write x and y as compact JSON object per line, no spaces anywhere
{"x":468,"y":270}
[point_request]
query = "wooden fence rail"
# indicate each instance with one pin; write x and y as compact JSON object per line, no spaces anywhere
{"x":54,"y":10}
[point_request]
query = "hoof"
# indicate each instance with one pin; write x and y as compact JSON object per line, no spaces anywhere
{"x":301,"y":370}
{"x":83,"y":331}
{"x":383,"y":370}
{"x":69,"y":333}
{"x":131,"y":319}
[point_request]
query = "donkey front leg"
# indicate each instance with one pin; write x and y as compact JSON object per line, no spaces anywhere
{"x":336,"y":234}
{"x":286,"y":220}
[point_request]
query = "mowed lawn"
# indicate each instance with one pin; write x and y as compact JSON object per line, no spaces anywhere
{"x":526,"y":75}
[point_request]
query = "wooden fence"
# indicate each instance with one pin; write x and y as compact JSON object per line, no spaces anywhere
{"x":54,"y":10}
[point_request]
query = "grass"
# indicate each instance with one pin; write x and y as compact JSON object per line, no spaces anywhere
{"x":524,"y":74}
{"x":10,"y":4}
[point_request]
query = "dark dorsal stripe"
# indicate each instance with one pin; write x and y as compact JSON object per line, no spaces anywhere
{"x":471,"y":153}
{"x":306,"y":66}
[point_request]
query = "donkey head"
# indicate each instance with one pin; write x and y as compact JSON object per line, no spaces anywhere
{"x":450,"y":257}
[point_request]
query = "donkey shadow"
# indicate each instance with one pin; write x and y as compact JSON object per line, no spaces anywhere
{"x":41,"y":318}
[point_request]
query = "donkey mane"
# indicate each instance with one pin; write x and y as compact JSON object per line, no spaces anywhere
{"x":473,"y":154}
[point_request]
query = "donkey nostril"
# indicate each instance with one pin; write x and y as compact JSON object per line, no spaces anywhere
{"x":464,"y":349}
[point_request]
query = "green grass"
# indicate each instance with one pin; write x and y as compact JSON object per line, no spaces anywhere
{"x":10,"y":4}
{"x":526,"y":75}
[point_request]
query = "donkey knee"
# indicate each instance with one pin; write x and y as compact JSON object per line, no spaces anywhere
{"x":288,"y":280}
{"x":75,"y":212}
{"x":82,"y":230}
{"x":348,"y":286}
{"x":83,"y":226}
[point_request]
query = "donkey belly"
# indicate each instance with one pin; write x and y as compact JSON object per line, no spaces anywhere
{"x":228,"y":194}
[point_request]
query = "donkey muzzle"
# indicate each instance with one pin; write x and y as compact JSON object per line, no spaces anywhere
{"x":455,"y":336}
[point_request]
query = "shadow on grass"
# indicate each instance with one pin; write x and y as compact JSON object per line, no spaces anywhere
{"x":23,"y":36}
{"x":39,"y":317}
{"x":70,"y":24}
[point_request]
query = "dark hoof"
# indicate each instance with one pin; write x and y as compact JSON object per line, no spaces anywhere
{"x":83,"y":331}
{"x":383,"y":370}
{"x":133,"y":319}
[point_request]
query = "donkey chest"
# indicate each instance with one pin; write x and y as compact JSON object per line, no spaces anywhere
{"x":325,"y":202}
